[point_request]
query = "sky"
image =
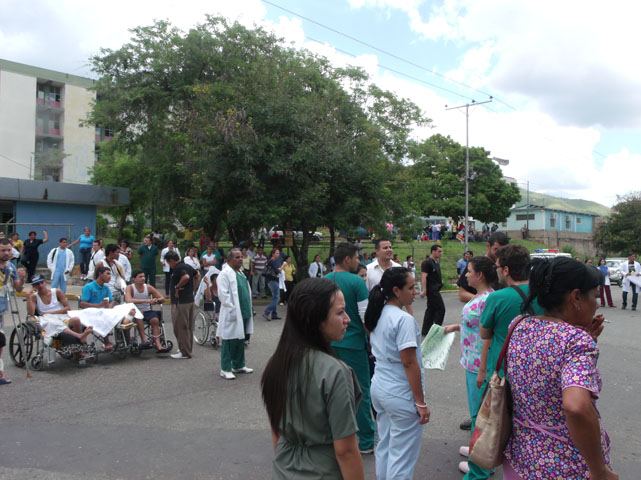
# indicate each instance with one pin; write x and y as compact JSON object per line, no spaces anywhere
{"x":566,"y":88}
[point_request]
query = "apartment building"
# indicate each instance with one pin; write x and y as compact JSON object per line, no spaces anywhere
{"x":46,"y":153}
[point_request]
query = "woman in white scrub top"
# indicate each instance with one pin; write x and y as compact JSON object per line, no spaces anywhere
{"x":398,"y":384}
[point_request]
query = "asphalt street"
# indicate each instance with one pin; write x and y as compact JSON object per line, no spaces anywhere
{"x":153,"y":417}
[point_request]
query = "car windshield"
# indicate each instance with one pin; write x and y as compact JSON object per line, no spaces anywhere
{"x":613,"y":264}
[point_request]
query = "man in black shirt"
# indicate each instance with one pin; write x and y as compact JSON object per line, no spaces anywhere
{"x":432,"y":283}
{"x":181,"y":290}
{"x":496,"y":241}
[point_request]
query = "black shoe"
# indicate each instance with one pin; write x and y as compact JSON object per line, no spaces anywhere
{"x":466,"y":424}
{"x":633,"y":308}
{"x":276,"y":318}
{"x":623,"y":307}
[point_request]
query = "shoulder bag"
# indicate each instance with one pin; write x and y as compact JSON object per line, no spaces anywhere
{"x":494,"y":421}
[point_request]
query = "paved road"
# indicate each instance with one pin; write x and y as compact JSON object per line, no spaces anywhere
{"x":158,"y":418}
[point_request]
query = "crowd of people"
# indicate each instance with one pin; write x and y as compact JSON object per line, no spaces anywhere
{"x":347,"y":376}
{"x":322,"y":399}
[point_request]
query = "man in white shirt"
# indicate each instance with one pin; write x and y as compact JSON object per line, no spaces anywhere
{"x":60,"y":262}
{"x":316,"y":269}
{"x":375,"y":270}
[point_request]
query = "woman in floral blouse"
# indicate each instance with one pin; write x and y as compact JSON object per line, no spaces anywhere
{"x":556,"y":429}
{"x":481,"y":273}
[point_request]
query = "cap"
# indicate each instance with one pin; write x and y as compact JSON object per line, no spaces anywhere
{"x":37,"y":279}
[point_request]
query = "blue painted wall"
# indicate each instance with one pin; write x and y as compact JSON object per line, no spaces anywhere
{"x":561,"y":224}
{"x":80,"y":216}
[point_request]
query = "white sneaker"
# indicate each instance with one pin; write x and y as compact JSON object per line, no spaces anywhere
{"x":178,"y":355}
{"x":464,"y":451}
{"x":227,"y":375}
{"x":464,"y":467}
{"x":242,"y":370}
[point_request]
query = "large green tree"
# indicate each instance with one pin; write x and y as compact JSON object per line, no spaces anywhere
{"x":237,"y":131}
{"x":438,"y":182}
{"x":619,"y":234}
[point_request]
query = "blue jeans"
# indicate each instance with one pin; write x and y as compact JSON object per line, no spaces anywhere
{"x":271,"y":308}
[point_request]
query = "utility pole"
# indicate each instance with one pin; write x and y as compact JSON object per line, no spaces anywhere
{"x":467,"y":160}
{"x":527,"y":196}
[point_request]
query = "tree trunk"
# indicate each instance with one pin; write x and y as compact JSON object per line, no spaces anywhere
{"x":301,"y":254}
{"x":121,"y":226}
{"x":332,"y":240}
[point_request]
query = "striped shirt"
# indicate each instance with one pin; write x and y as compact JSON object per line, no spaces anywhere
{"x":260,"y":261}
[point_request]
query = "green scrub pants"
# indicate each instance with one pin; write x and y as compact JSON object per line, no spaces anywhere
{"x":358,"y":360}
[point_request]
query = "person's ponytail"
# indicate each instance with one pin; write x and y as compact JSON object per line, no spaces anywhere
{"x":375,"y":305}
{"x":380,"y":294}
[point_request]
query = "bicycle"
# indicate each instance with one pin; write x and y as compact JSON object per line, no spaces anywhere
{"x":206,"y":325}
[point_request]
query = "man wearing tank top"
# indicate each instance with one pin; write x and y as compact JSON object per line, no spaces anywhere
{"x":144,"y":296}
{"x":42,"y":300}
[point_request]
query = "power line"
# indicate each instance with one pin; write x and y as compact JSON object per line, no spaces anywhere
{"x":14,"y":161}
{"x":390,"y":54}
{"x":394,"y":71}
{"x":409,"y":62}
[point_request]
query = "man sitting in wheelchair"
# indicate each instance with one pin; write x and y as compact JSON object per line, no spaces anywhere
{"x":42,"y":300}
{"x":98,"y":295}
{"x":144,"y":296}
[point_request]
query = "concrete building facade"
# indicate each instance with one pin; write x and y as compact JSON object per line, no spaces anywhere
{"x":40,"y":133}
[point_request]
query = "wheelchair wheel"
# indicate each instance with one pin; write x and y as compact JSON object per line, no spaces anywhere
{"x":15,"y":352}
{"x":135,"y":349}
{"x":169,"y":345}
{"x":37,"y":363}
{"x":201,"y":328}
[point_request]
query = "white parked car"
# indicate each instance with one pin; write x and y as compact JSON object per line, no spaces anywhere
{"x":614,"y":268}
{"x":275,"y":232}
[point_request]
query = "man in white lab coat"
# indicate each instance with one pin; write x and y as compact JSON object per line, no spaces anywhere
{"x":60,"y":262}
{"x":235,"y":319}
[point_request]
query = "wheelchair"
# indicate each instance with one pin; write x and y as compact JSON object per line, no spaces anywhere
{"x":206,"y":325}
{"x":40,"y":354}
{"x":134,"y":344}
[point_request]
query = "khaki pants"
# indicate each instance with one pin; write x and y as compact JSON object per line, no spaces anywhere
{"x":182,"y":316}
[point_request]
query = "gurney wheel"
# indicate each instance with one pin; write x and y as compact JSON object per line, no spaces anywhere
{"x":37,"y":363}
{"x":135,"y":350}
{"x":169,"y":345}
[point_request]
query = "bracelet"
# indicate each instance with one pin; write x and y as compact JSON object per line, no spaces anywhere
{"x":420,"y":406}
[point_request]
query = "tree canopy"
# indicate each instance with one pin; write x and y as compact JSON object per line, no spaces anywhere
{"x":620,"y":233}
{"x":226,"y":127}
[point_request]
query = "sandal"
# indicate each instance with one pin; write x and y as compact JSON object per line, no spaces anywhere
{"x":4,"y":381}
{"x":109,"y":347}
{"x":163,"y":350}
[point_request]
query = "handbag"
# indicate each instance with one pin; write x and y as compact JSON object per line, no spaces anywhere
{"x":494,"y":420}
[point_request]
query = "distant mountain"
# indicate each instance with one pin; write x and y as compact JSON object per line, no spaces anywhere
{"x":573,"y":205}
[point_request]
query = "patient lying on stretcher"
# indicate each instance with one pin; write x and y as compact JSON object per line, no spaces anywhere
{"x":42,"y":300}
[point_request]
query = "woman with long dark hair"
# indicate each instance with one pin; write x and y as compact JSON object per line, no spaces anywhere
{"x":554,"y":379}
{"x":481,"y":273}
{"x":605,"y":286}
{"x":310,"y":396}
{"x":398,"y":384}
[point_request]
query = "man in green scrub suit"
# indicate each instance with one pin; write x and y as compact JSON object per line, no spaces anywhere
{"x":235,"y":319}
{"x":352,"y":349}
{"x":501,"y":307}
{"x":148,"y":253}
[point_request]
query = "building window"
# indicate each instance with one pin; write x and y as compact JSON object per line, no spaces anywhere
{"x":524,"y":216}
{"x":109,"y":132}
{"x":568,"y":222}
{"x":552,"y":220}
{"x":54,"y":94}
{"x":579,"y":220}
